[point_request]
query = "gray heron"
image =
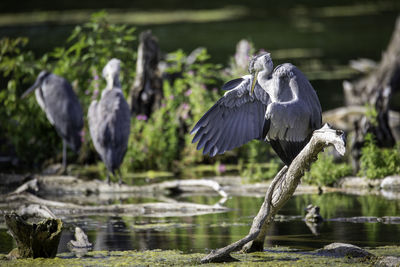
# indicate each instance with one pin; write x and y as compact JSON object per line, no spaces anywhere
{"x":275,"y":105}
{"x":110,"y":120}
{"x":58,"y":100}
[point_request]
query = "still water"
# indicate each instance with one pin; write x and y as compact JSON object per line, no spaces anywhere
{"x":204,"y":232}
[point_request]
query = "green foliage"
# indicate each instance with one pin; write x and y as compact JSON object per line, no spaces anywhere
{"x":325,"y":171}
{"x":254,"y":168}
{"x":22,"y":123}
{"x":371,"y":114}
{"x":162,"y":141}
{"x":86,"y":52}
{"x":82,"y":60}
{"x":378,"y":162}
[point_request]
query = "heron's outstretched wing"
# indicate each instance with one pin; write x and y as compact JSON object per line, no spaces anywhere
{"x":294,"y":115}
{"x":63,"y":109}
{"x":234,"y":120}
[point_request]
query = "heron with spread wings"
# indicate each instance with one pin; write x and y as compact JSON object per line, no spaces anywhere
{"x":110,"y":120}
{"x":275,"y":105}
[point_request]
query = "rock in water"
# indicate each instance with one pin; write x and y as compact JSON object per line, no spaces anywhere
{"x":343,"y":250}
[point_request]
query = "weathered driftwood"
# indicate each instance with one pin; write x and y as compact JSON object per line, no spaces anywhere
{"x":153,"y":209}
{"x":313,"y":214}
{"x":280,"y":190}
{"x":35,"y":240}
{"x":81,"y":241}
{"x":36,"y":211}
{"x":81,"y":245}
{"x":30,"y":185}
{"x":345,"y":117}
{"x":59,"y":185}
{"x":146,"y":92}
{"x":375,"y":90}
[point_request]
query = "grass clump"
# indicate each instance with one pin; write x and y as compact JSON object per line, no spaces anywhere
{"x":325,"y":172}
{"x":378,"y":162}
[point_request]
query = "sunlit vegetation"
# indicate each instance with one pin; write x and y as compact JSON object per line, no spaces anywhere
{"x":162,"y":141}
{"x":377,"y":162}
{"x":326,"y":172}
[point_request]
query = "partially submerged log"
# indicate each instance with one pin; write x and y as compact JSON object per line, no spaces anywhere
{"x":63,"y":185}
{"x":146,"y":92}
{"x":145,"y":209}
{"x":279,"y":192}
{"x":34,"y":240}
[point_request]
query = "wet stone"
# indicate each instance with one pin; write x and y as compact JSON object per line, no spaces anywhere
{"x":343,"y":250}
{"x":391,"y":183}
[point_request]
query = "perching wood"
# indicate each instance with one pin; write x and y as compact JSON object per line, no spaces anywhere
{"x":280,"y":190}
{"x":35,"y":240}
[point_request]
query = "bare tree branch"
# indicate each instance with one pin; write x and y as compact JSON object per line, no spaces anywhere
{"x":280,"y":190}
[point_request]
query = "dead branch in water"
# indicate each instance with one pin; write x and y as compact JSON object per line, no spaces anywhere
{"x":14,"y":201}
{"x":60,"y":185}
{"x":279,"y":192}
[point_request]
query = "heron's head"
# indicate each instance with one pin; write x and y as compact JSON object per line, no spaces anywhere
{"x":261,"y":62}
{"x":38,"y":83}
{"x":111,"y":72}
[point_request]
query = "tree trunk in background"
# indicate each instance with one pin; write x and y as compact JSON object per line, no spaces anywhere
{"x":146,"y":92}
{"x":375,"y":90}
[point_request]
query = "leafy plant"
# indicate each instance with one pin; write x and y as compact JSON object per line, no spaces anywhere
{"x":162,"y":141}
{"x":325,"y":171}
{"x":87,"y":50}
{"x":378,"y":162}
{"x":23,"y":126}
{"x":254,"y":167}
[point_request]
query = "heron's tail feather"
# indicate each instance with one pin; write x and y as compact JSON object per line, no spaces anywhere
{"x":288,"y":150}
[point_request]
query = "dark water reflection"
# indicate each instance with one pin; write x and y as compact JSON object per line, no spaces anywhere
{"x":200,"y":233}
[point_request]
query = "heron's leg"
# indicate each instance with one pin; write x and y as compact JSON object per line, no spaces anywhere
{"x":108,"y":178}
{"x":64,"y":155}
{"x":120,"y":176}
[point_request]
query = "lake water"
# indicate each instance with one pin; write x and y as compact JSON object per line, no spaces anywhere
{"x":204,"y":232}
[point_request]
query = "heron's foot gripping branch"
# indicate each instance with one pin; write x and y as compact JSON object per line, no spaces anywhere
{"x":280,"y":190}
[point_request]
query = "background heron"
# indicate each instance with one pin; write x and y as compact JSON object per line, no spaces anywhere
{"x":279,"y":106}
{"x":58,"y":100}
{"x":109,"y":121}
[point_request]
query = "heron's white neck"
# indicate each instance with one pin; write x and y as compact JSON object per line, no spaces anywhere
{"x":113,"y":81}
{"x":263,"y":78}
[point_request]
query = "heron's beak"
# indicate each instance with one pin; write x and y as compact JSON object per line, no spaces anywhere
{"x":253,"y":83}
{"x":31,"y":89}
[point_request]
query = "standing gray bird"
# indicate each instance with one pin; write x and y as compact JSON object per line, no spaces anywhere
{"x":58,"y":100}
{"x":110,"y":120}
{"x":278,"y":106}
